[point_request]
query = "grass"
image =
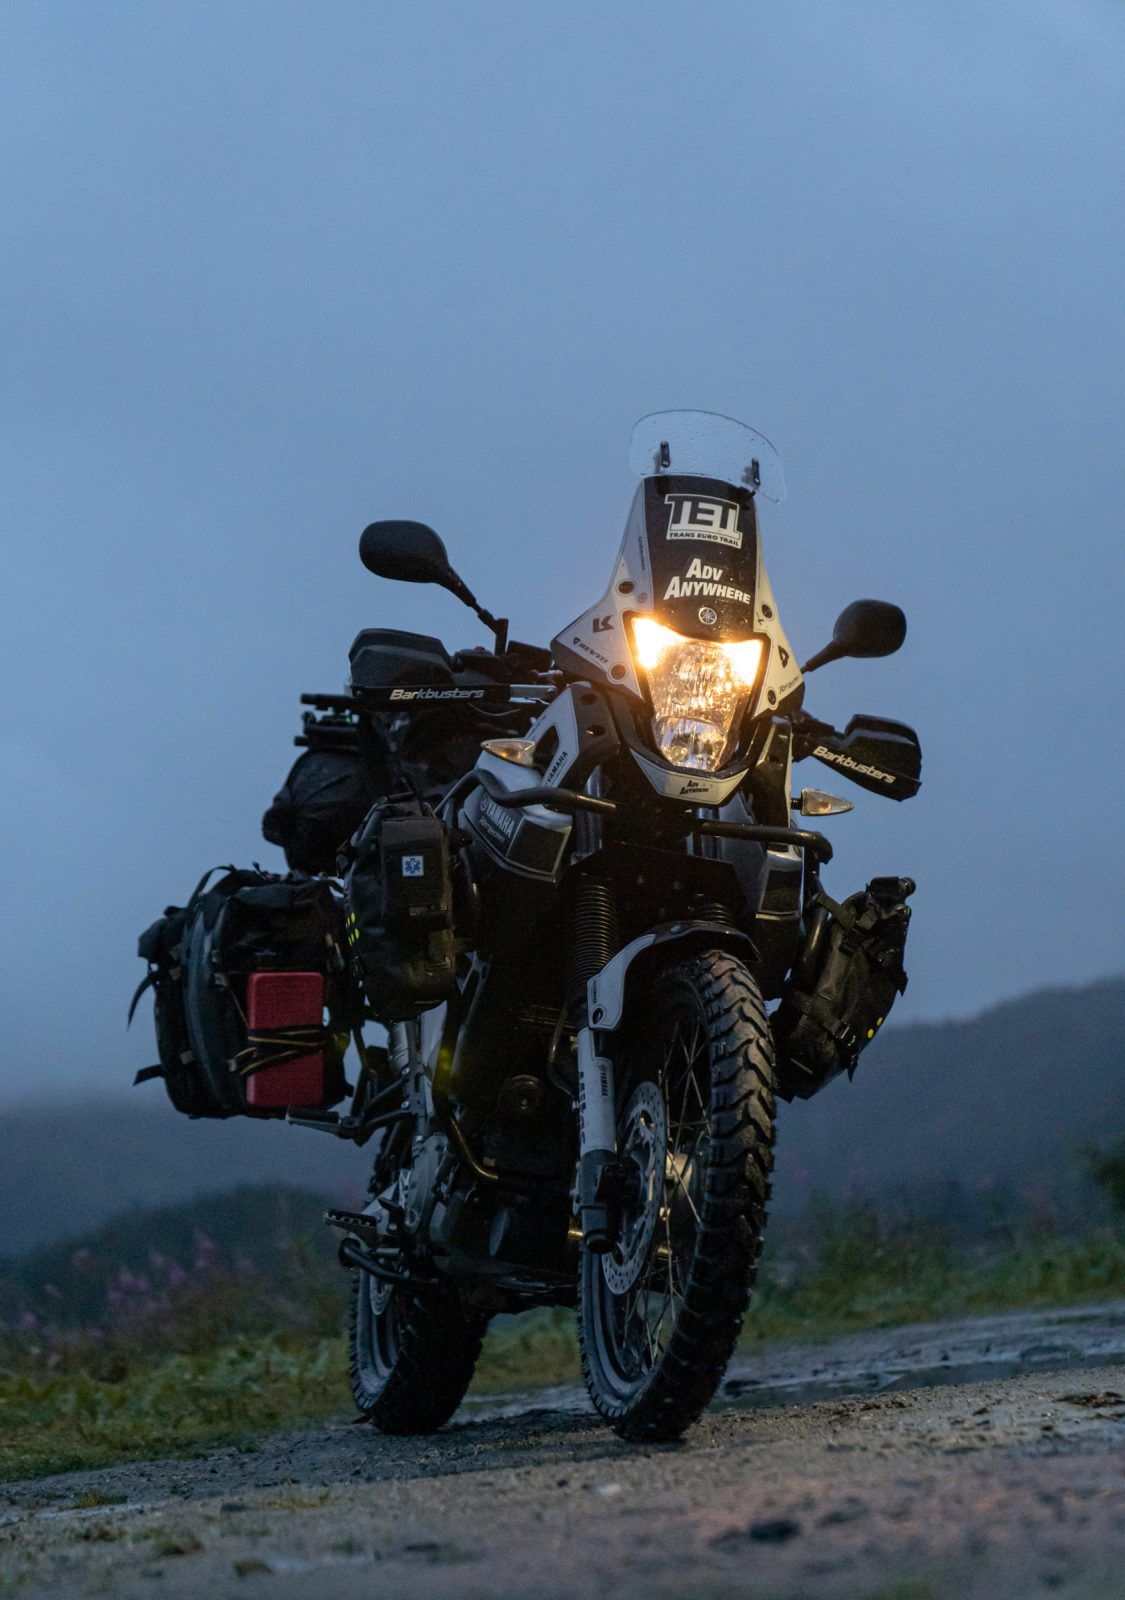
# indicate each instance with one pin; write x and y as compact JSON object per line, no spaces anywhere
{"x":863,"y":1273}
{"x":858,"y":1276}
{"x":74,"y":1401}
{"x":178,"y":1405}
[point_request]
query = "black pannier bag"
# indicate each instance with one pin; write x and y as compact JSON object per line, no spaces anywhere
{"x":330,"y":789}
{"x":843,"y":985}
{"x":398,"y":901}
{"x":244,"y":975}
{"x":321,"y":803}
{"x":161,"y":946}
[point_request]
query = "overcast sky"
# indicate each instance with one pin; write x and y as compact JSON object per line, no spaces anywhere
{"x":272,"y":270}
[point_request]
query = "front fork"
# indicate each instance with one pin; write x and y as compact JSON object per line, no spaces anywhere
{"x":607,"y":1179}
{"x":599,"y":1177}
{"x":593,"y":943}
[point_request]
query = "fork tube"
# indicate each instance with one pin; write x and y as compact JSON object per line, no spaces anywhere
{"x":594,"y":941}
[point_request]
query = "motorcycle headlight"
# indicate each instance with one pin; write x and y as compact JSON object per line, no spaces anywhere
{"x":698,"y":688}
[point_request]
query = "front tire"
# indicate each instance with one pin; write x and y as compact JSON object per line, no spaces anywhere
{"x":659,"y":1317}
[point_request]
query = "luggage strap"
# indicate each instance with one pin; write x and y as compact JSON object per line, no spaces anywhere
{"x":860,"y":923}
{"x":146,"y":983}
{"x":277,"y":1047}
{"x":821,"y":1012}
{"x":154,"y":971}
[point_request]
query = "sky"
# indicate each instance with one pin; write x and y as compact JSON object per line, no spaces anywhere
{"x":271,"y":271}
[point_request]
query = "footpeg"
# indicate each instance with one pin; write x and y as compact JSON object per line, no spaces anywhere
{"x":363,"y":1224}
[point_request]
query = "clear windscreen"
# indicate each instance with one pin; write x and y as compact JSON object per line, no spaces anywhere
{"x":706,"y":445}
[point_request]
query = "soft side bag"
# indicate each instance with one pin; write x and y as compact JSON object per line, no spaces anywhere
{"x":398,"y":896}
{"x":252,"y":1006}
{"x":843,"y":985}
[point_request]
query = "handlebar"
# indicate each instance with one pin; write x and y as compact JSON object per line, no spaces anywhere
{"x":809,"y":731}
{"x":525,"y":661}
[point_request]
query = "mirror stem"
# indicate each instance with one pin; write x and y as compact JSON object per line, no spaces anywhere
{"x":497,"y":625}
{"x":831,"y":652}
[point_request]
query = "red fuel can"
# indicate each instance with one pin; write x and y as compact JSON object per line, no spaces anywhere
{"x":278,"y":1000}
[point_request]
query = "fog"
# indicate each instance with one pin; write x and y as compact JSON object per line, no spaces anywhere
{"x":271,"y":271}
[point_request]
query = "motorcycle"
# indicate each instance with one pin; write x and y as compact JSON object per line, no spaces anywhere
{"x":572,"y":933}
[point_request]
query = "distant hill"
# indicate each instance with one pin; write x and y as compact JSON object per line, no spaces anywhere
{"x":64,"y":1170}
{"x":273,"y":1228}
{"x":1006,"y":1099}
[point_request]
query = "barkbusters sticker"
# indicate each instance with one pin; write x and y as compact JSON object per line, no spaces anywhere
{"x":437,"y":694}
{"x":836,"y":758}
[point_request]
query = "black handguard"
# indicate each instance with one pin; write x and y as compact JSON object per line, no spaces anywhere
{"x":874,"y":752}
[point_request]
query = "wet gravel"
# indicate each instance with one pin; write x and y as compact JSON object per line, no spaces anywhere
{"x":975,"y":1459}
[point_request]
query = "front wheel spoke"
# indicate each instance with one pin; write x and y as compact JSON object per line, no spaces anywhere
{"x":640,"y":1326}
{"x":664,"y":1080}
{"x":665,"y":1302}
{"x":692,"y":1083}
{"x":637,"y":1338}
{"x":702,"y":1135}
{"x":650,"y":1341}
{"x":656,"y":1321}
{"x":629,"y":1306}
{"x":673,"y":1163}
{"x":672,"y":1263}
{"x":690,"y":1057}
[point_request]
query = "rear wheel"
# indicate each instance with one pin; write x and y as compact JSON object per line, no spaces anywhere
{"x":412,"y":1354}
{"x":660,"y":1315}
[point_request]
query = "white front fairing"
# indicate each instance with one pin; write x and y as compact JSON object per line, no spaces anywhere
{"x":690,"y":557}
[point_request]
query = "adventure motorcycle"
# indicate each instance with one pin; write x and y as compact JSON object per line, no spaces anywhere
{"x":575,"y":891}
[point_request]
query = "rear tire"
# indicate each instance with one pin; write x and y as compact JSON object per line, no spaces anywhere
{"x":411,"y":1354}
{"x":660,"y":1316}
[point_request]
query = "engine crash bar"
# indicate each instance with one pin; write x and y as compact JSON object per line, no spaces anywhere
{"x":805,"y":839}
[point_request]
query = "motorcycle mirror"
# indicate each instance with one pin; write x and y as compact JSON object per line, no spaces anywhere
{"x":407,"y":551}
{"x":865,"y":628}
{"x":412,"y":553}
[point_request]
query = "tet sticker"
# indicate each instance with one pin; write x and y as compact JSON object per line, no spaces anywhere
{"x":413,"y":867}
{"x":694,"y":516}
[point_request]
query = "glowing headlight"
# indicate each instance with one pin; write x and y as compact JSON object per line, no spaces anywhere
{"x":698,"y":687}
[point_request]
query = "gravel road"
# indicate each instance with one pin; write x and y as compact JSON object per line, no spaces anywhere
{"x":983,"y":1458}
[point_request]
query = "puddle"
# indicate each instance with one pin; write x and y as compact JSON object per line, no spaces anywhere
{"x":76,"y":1513}
{"x":924,"y":1355}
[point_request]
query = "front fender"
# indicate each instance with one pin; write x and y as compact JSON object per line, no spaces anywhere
{"x":608,"y":991}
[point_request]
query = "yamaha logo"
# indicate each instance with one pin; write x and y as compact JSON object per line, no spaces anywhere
{"x":700,"y":517}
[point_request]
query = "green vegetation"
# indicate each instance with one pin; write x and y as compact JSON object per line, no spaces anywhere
{"x":1107,"y":1168}
{"x":217,"y":1349}
{"x":863,"y":1272}
{"x":58,"y":1421}
{"x":848,"y":1270}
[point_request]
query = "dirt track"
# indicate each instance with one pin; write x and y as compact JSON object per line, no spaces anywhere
{"x":1001,"y":1486}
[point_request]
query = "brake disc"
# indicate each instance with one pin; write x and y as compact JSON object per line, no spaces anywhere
{"x":644,"y":1142}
